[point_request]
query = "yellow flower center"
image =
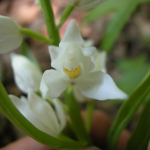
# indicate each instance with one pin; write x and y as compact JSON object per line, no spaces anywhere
{"x":73,"y":73}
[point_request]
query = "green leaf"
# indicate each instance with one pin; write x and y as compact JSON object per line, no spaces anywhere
{"x":127,"y":111}
{"x":117,"y":23}
{"x":133,"y":71}
{"x":75,"y":116}
{"x":101,"y":10}
{"x":25,"y":51}
{"x":144,"y":1}
{"x":10,"y":111}
{"x":142,"y":130}
{"x":122,"y":9}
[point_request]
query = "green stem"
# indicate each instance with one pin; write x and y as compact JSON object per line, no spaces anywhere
{"x":50,"y":21}
{"x":89,"y":116}
{"x":76,"y":118}
{"x":35,"y":35}
{"x":65,"y":15}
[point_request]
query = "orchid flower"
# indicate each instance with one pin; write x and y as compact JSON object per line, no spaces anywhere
{"x":10,"y":36}
{"x":41,"y":114}
{"x":27,"y":75}
{"x":84,"y":4}
{"x":74,"y":64}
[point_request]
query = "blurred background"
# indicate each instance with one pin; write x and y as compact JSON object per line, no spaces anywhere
{"x":127,"y":62}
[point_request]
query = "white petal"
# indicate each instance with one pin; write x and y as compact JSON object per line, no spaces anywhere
{"x":100,"y":61}
{"x":89,"y":51}
{"x":72,"y":35}
{"x":10,"y":36}
{"x":88,"y":43}
{"x":52,"y":84}
{"x":24,"y":108}
{"x":85,"y":4}
{"x":43,"y":110}
{"x":100,"y":86}
{"x":88,"y":63}
{"x":60,"y":113}
{"x":56,"y":57}
{"x":78,"y":95}
{"x":27,"y":75}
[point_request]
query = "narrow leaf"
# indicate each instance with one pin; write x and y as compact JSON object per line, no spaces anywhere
{"x":127,"y":111}
{"x":142,"y":130}
{"x":144,"y":1}
{"x":103,"y":9}
{"x":117,"y":23}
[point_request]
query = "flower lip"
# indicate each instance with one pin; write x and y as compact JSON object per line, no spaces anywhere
{"x":73,"y":73}
{"x":72,"y":68}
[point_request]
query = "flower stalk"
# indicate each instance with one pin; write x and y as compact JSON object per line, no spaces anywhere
{"x":50,"y":21}
{"x":75,"y":116}
{"x":36,"y":35}
{"x":65,"y":15}
{"x":89,"y":115}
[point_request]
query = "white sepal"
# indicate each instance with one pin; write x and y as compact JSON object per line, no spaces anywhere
{"x":44,"y":112}
{"x":72,"y":35}
{"x":52,"y":84}
{"x":85,"y":4}
{"x":100,"y":86}
{"x":27,"y":75}
{"x":56,"y":55}
{"x":10,"y":36}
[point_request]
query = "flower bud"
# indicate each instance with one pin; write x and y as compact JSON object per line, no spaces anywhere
{"x":41,"y":114}
{"x":10,"y":36}
{"x":27,"y":75}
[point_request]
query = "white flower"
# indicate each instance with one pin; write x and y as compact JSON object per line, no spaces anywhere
{"x":74,"y":64}
{"x":10,"y":36}
{"x":27,"y":75}
{"x":84,"y":4}
{"x":40,"y":113}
